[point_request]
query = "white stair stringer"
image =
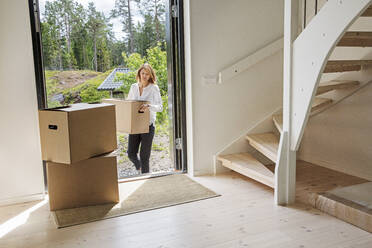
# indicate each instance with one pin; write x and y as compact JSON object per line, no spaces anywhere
{"x":308,"y":64}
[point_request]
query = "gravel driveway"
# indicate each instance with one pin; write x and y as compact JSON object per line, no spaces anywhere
{"x":160,"y":160}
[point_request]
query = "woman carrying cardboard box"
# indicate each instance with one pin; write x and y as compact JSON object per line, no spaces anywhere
{"x":144,"y":90}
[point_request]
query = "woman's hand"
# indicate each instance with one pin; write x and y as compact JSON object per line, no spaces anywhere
{"x":144,"y":107}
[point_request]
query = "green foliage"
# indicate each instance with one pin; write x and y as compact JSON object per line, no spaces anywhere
{"x":155,"y":57}
{"x":157,"y":147}
{"x":91,"y":94}
{"x":162,"y":128}
{"x":121,"y":138}
{"x":162,"y":117}
{"x":52,"y":87}
{"x":74,"y":37}
{"x":49,"y":43}
{"x":144,"y":35}
{"x":51,"y":82}
{"x":158,"y":60}
{"x":152,"y":30}
{"x":54,"y":104}
{"x":134,"y":61}
{"x":78,"y":37}
{"x":98,"y":28}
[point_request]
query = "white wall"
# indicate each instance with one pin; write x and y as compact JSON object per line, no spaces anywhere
{"x":222,"y":33}
{"x":20,"y":160}
{"x":341,"y":137}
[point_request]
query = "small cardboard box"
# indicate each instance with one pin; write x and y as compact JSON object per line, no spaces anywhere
{"x":77,"y":132}
{"x":128,"y":118}
{"x":88,"y":182}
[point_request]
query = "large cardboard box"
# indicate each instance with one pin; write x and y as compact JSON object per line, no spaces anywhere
{"x":89,"y":182}
{"x":128,"y":118}
{"x":77,"y":132}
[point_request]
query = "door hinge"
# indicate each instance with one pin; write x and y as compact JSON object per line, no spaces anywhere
{"x":175,"y":11}
{"x":179,"y":144}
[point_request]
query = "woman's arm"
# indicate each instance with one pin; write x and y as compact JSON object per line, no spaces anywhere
{"x":157,"y":104}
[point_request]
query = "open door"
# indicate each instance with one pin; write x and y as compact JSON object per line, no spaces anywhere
{"x":79,"y":57}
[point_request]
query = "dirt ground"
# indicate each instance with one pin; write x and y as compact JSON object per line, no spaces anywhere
{"x":70,"y":79}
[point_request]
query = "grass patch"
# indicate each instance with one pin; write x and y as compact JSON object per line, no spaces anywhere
{"x":162,"y":128}
{"x":88,"y":90}
{"x":83,"y":92}
{"x":158,"y":148}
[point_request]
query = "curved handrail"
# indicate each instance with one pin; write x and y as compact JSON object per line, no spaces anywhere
{"x":311,"y":51}
{"x":250,"y":60}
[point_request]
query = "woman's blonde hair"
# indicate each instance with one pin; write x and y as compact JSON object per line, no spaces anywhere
{"x":149,"y":69}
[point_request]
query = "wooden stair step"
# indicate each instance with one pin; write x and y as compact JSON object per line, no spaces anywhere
{"x":356,"y":39}
{"x":345,"y":65}
{"x":367,"y":12}
{"x":247,"y":165}
{"x":335,"y":85}
{"x":319,"y":103}
{"x":266,"y":143}
{"x":278,"y":121}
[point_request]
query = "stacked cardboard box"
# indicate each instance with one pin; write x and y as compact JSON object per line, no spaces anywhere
{"x":76,"y":142}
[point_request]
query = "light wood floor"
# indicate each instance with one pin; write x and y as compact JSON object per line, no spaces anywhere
{"x":312,"y":179}
{"x":244,"y":216}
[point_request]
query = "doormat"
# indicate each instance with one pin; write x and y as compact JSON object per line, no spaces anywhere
{"x":138,"y":196}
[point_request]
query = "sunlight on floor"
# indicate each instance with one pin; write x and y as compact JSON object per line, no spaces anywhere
{"x":20,"y":219}
{"x":127,"y":189}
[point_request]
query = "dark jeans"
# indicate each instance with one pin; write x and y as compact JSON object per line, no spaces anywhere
{"x":145,"y":139}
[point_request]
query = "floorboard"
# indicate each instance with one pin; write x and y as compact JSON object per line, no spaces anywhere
{"x":244,"y":216}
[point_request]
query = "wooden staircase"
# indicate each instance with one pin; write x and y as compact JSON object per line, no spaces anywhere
{"x":247,"y":165}
{"x":368,"y":12}
{"x":345,"y":65}
{"x":356,"y":39}
{"x":351,"y":39}
{"x":335,"y":85}
{"x":268,"y":143}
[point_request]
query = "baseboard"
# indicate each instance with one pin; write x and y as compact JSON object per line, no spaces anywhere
{"x":199,"y":173}
{"x":218,"y":167}
{"x":22,"y":199}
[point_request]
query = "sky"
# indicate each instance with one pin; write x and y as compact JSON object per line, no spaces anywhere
{"x":101,"y":5}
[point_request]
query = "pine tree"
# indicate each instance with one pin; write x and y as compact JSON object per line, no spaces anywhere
{"x":155,"y":9}
{"x":123,"y":10}
{"x":96,"y":26}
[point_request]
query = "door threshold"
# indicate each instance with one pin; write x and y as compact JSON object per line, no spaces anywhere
{"x":148,"y":176}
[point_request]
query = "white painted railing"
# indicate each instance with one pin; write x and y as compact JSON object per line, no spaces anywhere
{"x":250,"y":60}
{"x":311,"y":51}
